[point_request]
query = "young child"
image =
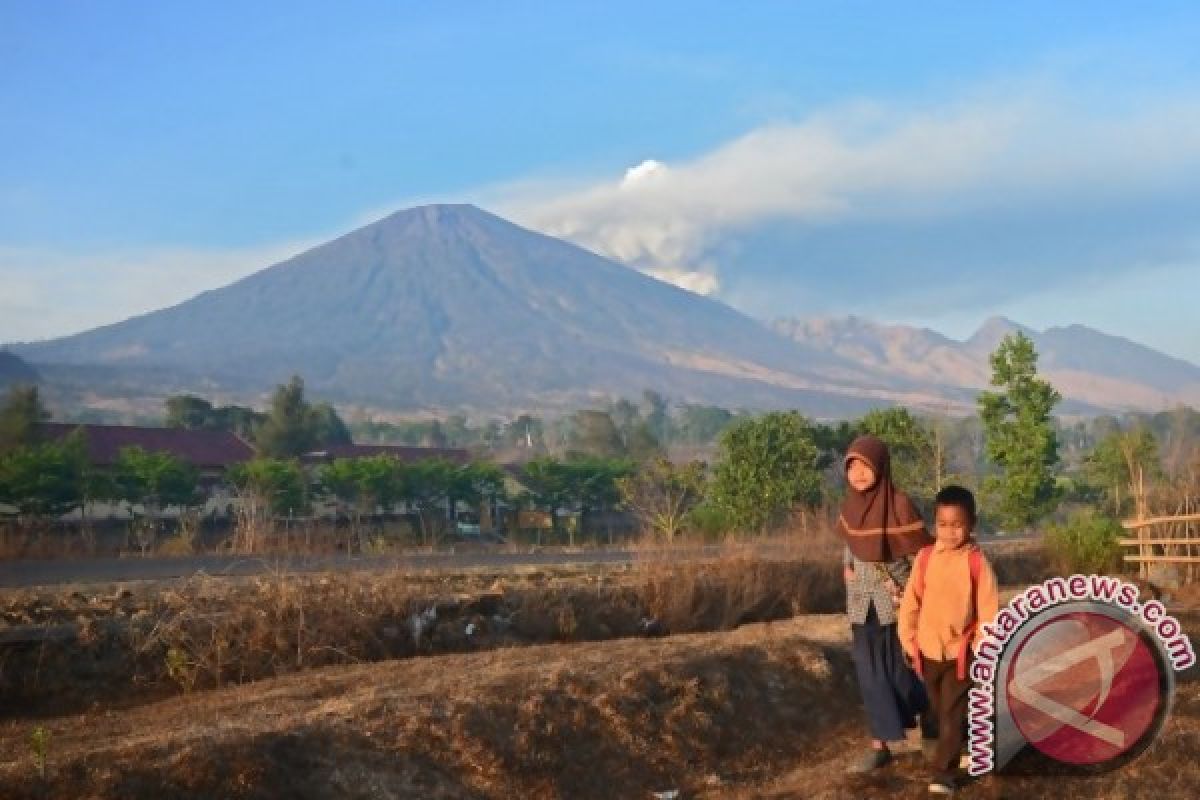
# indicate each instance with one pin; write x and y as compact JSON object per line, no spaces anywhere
{"x":882,"y":530}
{"x":951,"y":593}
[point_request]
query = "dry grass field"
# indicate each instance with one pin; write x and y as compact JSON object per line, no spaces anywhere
{"x":617,"y":683}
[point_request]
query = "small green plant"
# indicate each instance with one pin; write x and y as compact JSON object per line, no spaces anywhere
{"x":180,"y":668}
{"x":39,"y":743}
{"x":1086,"y":543}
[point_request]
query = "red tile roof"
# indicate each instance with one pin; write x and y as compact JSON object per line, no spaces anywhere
{"x":401,"y":452}
{"x":204,"y":449}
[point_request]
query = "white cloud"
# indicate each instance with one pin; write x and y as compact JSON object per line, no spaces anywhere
{"x":698,"y":282}
{"x":1028,"y":148}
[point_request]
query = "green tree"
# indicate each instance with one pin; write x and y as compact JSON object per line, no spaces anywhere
{"x":478,"y":482}
{"x":288,"y":431}
{"x":458,"y":431}
{"x":327,"y":427}
{"x":189,"y":412}
{"x":1120,"y":466}
{"x":1019,"y":434}
{"x":293,"y":427}
{"x":593,"y":433}
{"x":155,"y":481}
{"x":21,"y":417}
{"x":654,"y":413}
{"x":195,"y":413}
{"x":429,"y":487}
{"x":45,"y":481}
{"x":636,"y":428}
{"x":700,"y":424}
{"x":549,"y":487}
{"x":768,"y":465}
{"x":918,"y":464}
{"x":662,"y":494}
{"x":271,"y":486}
{"x":365,"y":485}
{"x":593,"y":484}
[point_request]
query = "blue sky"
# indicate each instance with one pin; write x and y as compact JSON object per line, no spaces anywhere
{"x":931,"y":163}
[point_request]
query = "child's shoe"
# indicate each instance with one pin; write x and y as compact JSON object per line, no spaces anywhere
{"x":929,"y":735}
{"x":871,"y":761}
{"x":943,"y":785}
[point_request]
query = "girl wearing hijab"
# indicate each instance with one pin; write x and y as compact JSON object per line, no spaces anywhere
{"x":883,"y":531}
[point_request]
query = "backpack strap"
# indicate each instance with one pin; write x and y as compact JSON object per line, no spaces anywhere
{"x":975,"y":562}
{"x":919,"y":568}
{"x":918,"y":580}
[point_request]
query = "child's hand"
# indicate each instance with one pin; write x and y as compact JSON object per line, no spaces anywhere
{"x":897,"y":595}
{"x":847,"y":574}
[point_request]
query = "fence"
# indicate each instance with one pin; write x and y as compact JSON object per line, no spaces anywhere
{"x":1169,"y":540}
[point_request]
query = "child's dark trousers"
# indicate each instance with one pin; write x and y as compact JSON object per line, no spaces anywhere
{"x":948,"y":698}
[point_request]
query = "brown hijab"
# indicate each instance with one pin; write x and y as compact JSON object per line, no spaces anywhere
{"x":880,"y":524}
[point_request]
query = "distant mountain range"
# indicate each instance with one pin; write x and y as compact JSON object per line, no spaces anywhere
{"x":1091,"y":368}
{"x":13,"y":369}
{"x":451,"y":307}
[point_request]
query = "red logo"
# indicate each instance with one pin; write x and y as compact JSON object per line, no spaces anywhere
{"x":1085,"y":689}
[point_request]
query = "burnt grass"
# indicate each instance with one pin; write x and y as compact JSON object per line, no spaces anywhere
{"x":116,"y":646}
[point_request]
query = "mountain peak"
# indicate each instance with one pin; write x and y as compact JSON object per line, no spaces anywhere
{"x":994,"y":329}
{"x":434,"y":216}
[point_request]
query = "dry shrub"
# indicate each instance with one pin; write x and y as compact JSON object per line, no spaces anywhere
{"x":737,"y":588}
{"x":282,"y":623}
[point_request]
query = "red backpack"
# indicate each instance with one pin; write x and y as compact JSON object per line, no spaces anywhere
{"x":975,"y":562}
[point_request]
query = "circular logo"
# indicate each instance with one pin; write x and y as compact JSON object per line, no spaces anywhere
{"x":1088,"y":689}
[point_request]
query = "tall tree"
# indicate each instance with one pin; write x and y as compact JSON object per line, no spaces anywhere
{"x":1019,"y":434}
{"x":21,"y":417}
{"x":327,"y":427}
{"x":593,"y":433}
{"x":189,"y":412}
{"x":769,"y":465}
{"x":1121,"y":465}
{"x":654,"y":412}
{"x":918,"y":463}
{"x":700,"y":424}
{"x":293,"y":427}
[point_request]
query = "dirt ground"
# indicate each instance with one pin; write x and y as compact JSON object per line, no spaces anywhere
{"x":765,"y":711}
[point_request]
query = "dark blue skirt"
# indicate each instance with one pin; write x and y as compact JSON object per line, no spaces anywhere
{"x":891,"y":691}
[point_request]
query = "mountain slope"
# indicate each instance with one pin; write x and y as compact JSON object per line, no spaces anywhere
{"x":1089,"y":367}
{"x":450,"y":305}
{"x":13,"y":369}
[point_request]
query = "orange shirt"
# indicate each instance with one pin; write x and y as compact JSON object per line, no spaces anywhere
{"x":937,"y":623}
